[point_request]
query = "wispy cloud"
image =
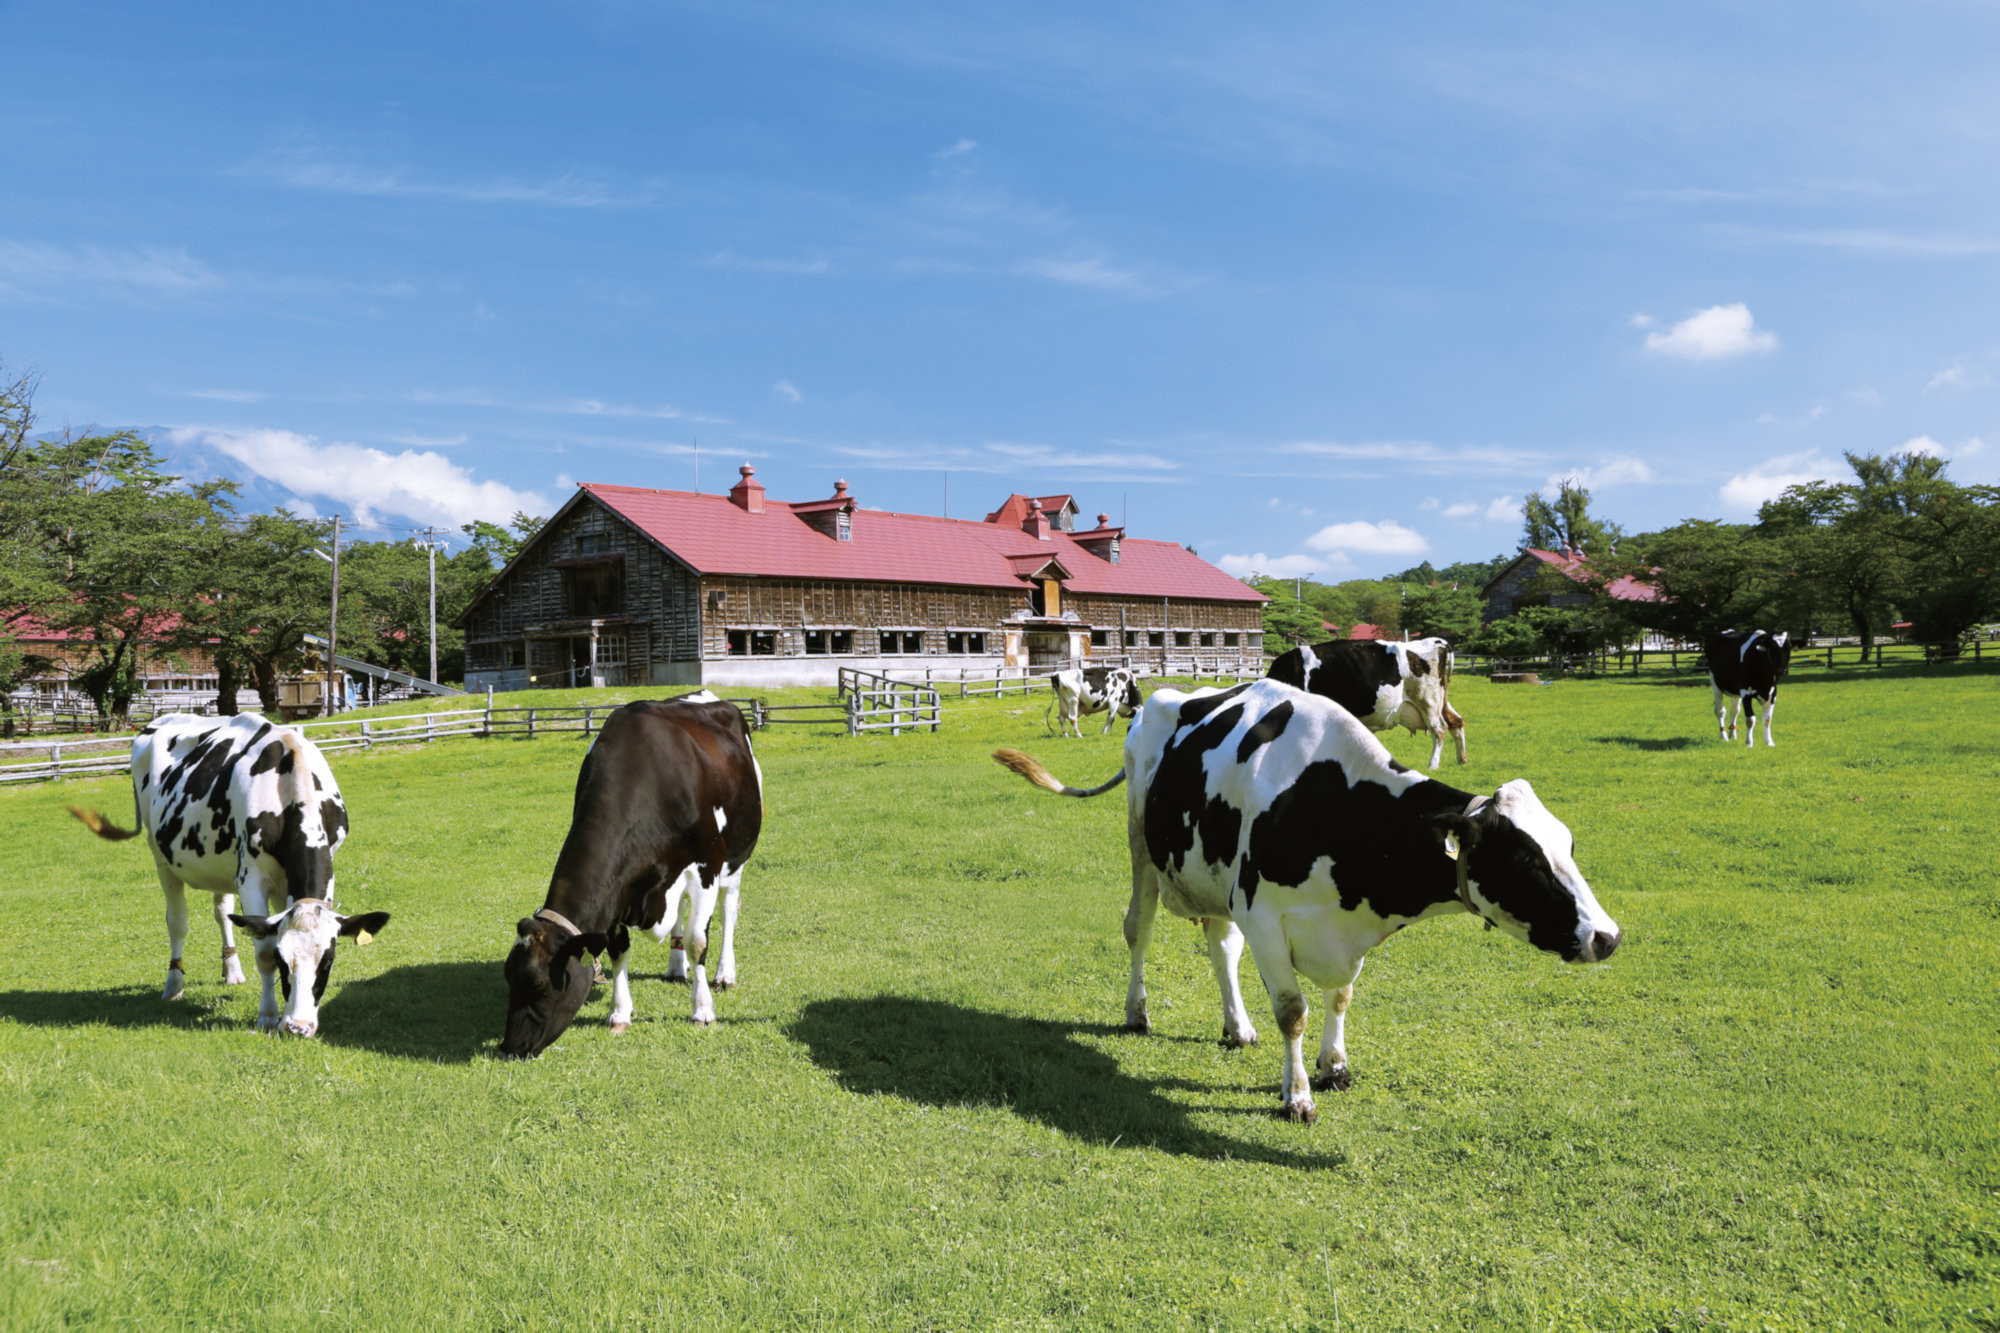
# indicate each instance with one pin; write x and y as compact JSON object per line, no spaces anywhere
{"x":788,"y":391}
{"x":1279,"y":566}
{"x":310,"y":171}
{"x":34,"y":272}
{"x":1958,"y":375}
{"x":415,"y":441}
{"x":1747,"y":491}
{"x":229,"y":395}
{"x":730,"y":259}
{"x":1713,"y":334}
{"x":579,"y":407}
{"x":1617,"y":472}
{"x":1011,"y":458}
{"x":1875,"y":241}
{"x":1501,"y":509}
{"x":1385,"y":538}
{"x":368,"y":483}
{"x":959,"y":149}
{"x":1421,"y":455}
{"x":1095,"y":273}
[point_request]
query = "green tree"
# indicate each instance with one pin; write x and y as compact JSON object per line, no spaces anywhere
{"x":1711,"y":576}
{"x":498,"y":544}
{"x":1552,"y":525}
{"x":260,"y":587}
{"x":1452,"y":613}
{"x":1287,"y":619}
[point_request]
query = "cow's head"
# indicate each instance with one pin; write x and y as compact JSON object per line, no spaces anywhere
{"x":302,"y":939}
{"x":547,"y":982}
{"x":1781,"y":644}
{"x":1122,"y":687}
{"x":1520,"y":873}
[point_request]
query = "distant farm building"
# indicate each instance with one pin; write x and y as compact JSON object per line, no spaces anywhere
{"x":1525,"y":582}
{"x":630,"y":586}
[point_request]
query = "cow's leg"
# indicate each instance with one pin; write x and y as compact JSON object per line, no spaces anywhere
{"x":701,"y":904}
{"x":1749,"y":722}
{"x":1437,"y":746}
{"x":1770,"y":706}
{"x":232,"y":968}
{"x":1723,"y":702}
{"x":255,"y":901}
{"x":1331,"y":1072}
{"x":619,"y":946}
{"x":1456,"y":725}
{"x":1225,"y":952}
{"x":725,"y":954}
{"x":1273,"y":955}
{"x":1110,"y":721}
{"x":1139,"y":914}
{"x":177,"y":933}
{"x":673,"y":927}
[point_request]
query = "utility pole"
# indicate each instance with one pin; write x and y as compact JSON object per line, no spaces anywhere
{"x":429,"y":543}
{"x":333,"y":627}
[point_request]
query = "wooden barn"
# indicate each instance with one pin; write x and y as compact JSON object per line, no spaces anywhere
{"x":630,"y":586}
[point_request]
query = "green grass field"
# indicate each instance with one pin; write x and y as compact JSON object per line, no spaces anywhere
{"x":1776,"y":1107}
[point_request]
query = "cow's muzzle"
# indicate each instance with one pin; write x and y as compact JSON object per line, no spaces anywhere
{"x":294,"y":1027}
{"x":1601,"y":945}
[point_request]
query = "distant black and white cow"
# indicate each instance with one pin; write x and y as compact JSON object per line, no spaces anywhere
{"x":669,"y":802}
{"x":1385,"y":683}
{"x":238,"y":807}
{"x":1082,"y":691}
{"x":1267,"y":813}
{"x":1745,"y":665}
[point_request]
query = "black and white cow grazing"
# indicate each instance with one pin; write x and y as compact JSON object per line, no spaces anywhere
{"x":237,"y":807}
{"x":1266,"y":813}
{"x":1082,"y":691}
{"x":669,"y":802}
{"x":1385,"y":683}
{"x":1745,"y":665}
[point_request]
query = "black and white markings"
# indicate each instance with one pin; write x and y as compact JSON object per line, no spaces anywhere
{"x":1384,"y":683}
{"x":1744,"y":665}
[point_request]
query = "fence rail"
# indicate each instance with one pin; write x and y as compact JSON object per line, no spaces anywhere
{"x":1676,"y":659}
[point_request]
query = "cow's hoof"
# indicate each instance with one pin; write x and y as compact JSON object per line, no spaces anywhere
{"x":702,"y":1020}
{"x":1336,"y":1079}
{"x":1139,"y":1027}
{"x":175,"y":990}
{"x":724,"y":983}
{"x":1236,"y":1041}
{"x":233,"y":977}
{"x":1303,"y":1113}
{"x":618,"y":1025}
{"x":268,"y":1025}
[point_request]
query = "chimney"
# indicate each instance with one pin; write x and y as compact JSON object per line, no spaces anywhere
{"x":1036,"y":524}
{"x":748,"y":494}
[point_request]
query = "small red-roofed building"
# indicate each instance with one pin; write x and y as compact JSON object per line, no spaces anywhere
{"x":1363,"y":630}
{"x":1519,"y":584}
{"x":627,"y":585}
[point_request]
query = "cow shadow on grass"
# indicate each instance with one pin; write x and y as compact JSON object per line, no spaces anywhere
{"x":1649,"y":742}
{"x":947,"y":1055}
{"x":445,"y":1012}
{"x":127,"y":1007}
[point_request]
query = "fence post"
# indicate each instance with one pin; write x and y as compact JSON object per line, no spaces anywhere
{"x":55,"y":760}
{"x":588,"y":714}
{"x":531,"y":724}
{"x":367,"y":741}
{"x":1878,"y":654}
{"x":430,"y":728}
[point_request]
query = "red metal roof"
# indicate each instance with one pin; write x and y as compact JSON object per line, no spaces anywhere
{"x":715,"y":536}
{"x":1364,"y":630}
{"x":1572,"y":565}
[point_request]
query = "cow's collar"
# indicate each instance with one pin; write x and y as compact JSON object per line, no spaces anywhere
{"x":555,"y":918}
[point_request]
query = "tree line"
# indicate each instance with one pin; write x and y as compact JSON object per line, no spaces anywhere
{"x":139,"y":567}
{"x":1897,"y":543}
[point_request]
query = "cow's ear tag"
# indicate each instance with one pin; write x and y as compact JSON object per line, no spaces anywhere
{"x":1451,"y":845}
{"x":363,"y":936}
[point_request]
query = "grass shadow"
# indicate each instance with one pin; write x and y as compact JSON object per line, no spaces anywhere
{"x":947,"y":1055}
{"x":446,"y":1012}
{"x":125,"y":1007}
{"x":1649,"y":742}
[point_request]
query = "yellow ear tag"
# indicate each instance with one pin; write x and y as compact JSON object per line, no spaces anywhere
{"x":1451,"y":845}
{"x":362,"y":936}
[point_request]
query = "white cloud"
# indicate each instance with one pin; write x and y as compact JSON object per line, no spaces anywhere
{"x":307,"y":171}
{"x":1277,"y":567}
{"x":730,"y":259}
{"x":1618,"y":472}
{"x":1461,"y":511}
{"x":1503,"y":509}
{"x":1093,"y":273}
{"x":1385,"y":538}
{"x":959,"y":149}
{"x":1643,"y":321}
{"x":1422,"y":455}
{"x":788,"y":391}
{"x":41,"y":272}
{"x":1715,"y":333}
{"x":367,"y":483}
{"x":1958,"y":376}
{"x":1922,"y":444}
{"x":416,"y":441}
{"x":1745,"y":492}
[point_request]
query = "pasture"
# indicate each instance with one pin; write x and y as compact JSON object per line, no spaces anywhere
{"x":1775,"y":1107}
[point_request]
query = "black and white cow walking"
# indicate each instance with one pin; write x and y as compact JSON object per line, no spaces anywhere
{"x":1384,"y":682}
{"x":239,"y":808}
{"x":1266,"y":813}
{"x":1083,"y":691}
{"x":669,"y":802}
{"x":1744,"y":665}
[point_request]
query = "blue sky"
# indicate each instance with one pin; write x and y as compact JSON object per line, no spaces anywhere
{"x":1315,"y":289}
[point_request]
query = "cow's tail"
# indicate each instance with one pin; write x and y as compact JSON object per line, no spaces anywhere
{"x":1041,"y":777}
{"x":101,"y":826}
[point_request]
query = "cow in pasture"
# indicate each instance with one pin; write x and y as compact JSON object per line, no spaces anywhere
{"x":1268,"y":813}
{"x":242,"y":809}
{"x":1384,"y":683}
{"x":1744,"y":665}
{"x":1082,"y":691}
{"x":669,"y":802}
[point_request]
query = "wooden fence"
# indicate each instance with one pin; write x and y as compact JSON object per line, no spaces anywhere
{"x":1828,"y":655}
{"x":876,"y":702}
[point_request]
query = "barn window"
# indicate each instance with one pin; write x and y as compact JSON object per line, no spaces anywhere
{"x":822,"y":641}
{"x":739,"y":643}
{"x":1229,"y":640}
{"x":595,"y":589}
{"x":517,"y":654}
{"x":1100,"y":638}
{"x":1183,"y":638}
{"x":1207,"y":639}
{"x":902,"y":641}
{"x":763,"y":643}
{"x":963,"y":641}
{"x":591,"y":543}
{"x":815,"y":641}
{"x":611,"y":649}
{"x":1156,"y":639}
{"x":1255,"y":640}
